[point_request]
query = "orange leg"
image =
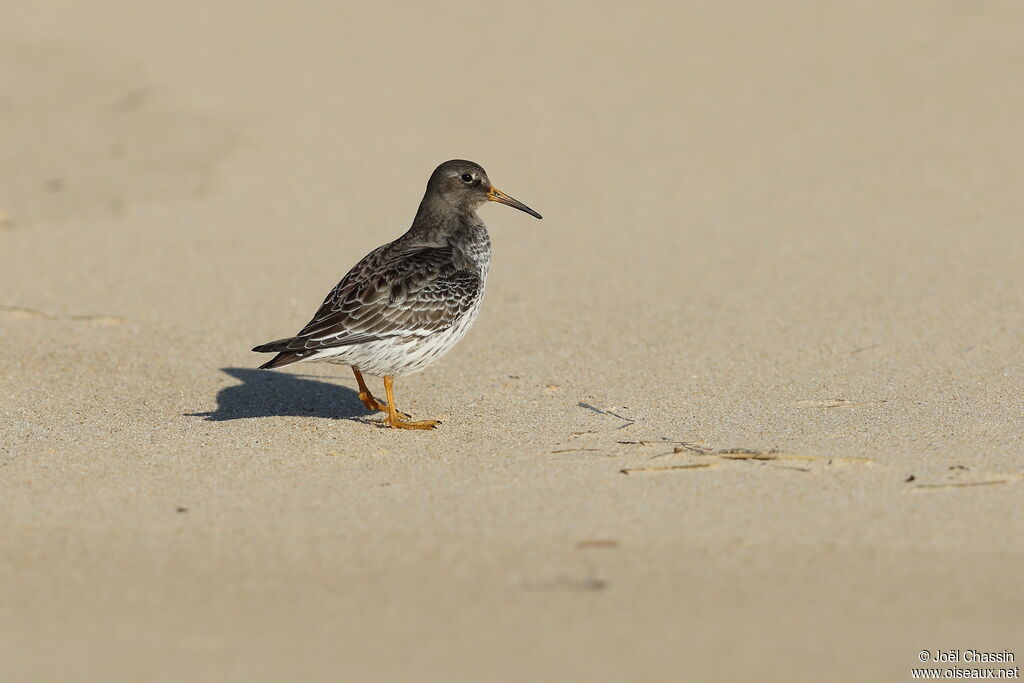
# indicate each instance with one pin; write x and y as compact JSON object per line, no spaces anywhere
{"x":395,"y":418}
{"x":365,"y":396}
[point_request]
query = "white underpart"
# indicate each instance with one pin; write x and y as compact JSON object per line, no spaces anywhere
{"x":400,"y":355}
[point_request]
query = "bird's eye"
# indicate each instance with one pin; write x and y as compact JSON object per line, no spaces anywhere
{"x":467,"y":177}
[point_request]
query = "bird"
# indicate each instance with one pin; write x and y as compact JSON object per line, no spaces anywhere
{"x":408,"y":302}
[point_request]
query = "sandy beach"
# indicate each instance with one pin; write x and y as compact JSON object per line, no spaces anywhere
{"x":746,"y":404}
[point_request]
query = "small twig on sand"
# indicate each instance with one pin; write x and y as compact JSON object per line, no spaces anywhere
{"x":693,"y":466}
{"x":627,"y":421}
{"x":961,"y":484}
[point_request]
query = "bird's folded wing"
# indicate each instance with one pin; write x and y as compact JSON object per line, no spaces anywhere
{"x":391,"y":294}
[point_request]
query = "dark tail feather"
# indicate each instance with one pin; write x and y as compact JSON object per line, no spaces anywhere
{"x":283,"y":357}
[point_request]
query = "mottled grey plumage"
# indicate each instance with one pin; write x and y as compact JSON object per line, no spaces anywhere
{"x":408,"y":302}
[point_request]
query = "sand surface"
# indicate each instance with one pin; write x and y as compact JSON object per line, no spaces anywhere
{"x":793,"y":229}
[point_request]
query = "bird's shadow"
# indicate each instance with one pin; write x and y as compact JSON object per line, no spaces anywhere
{"x":268,"y":394}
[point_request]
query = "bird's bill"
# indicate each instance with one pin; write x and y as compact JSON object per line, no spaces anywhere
{"x":496,"y":195}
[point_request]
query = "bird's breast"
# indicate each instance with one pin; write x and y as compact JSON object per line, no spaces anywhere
{"x":474,"y":250}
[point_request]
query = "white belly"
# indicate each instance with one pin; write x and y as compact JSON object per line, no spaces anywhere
{"x":400,"y":356}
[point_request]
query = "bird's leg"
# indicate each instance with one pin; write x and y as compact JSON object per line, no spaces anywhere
{"x":365,"y":396}
{"x":395,"y":418}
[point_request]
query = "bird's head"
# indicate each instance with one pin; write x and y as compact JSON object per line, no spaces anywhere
{"x":465,"y":185}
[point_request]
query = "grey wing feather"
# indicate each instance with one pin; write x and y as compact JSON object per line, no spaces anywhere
{"x":392,"y":293}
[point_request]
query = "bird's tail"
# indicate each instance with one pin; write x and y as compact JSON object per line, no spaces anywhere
{"x":284,"y":355}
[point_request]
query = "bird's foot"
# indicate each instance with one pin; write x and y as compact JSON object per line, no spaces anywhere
{"x":396,"y":423}
{"x":373,"y":405}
